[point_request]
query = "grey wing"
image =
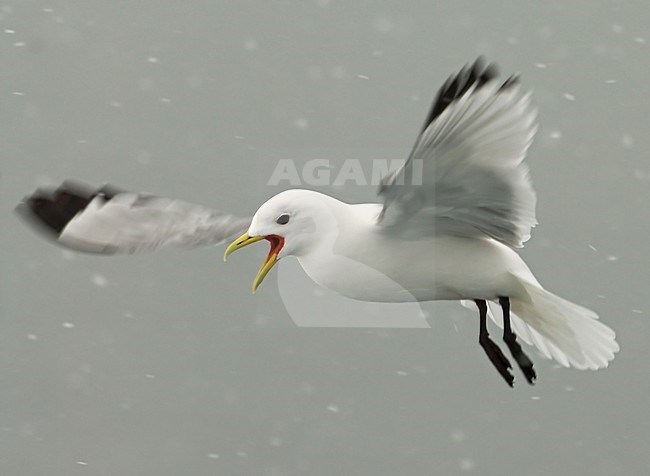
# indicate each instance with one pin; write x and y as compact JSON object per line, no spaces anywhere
{"x":465,"y":175}
{"x":109,"y":220}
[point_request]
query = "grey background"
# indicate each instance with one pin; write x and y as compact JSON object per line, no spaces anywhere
{"x":165,"y":364}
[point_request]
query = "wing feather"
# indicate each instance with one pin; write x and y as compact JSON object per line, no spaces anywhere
{"x":470,"y":179}
{"x":109,"y":220}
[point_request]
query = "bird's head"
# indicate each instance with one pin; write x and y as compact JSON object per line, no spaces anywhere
{"x":292,"y":222}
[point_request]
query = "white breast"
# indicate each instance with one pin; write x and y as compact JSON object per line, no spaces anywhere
{"x":362,"y":262}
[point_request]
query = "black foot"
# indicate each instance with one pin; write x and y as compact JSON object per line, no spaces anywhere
{"x":525,"y":364}
{"x":497,"y":358}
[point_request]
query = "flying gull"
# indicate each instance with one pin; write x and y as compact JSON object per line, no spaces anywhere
{"x":446,"y":227}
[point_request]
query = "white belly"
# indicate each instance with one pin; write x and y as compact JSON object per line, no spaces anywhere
{"x":378,"y":268}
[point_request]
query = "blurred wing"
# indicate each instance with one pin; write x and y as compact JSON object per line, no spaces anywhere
{"x":110,"y":221}
{"x":465,"y":174}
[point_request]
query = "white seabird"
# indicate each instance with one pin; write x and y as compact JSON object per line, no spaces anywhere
{"x":446,"y":228}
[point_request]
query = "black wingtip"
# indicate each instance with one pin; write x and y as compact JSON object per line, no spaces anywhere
{"x":512,"y":81}
{"x":54,"y":209}
{"x":51,"y":209}
{"x":476,"y":74}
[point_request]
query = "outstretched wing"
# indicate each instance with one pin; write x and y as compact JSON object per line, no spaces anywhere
{"x":109,"y":220}
{"x":465,"y":175}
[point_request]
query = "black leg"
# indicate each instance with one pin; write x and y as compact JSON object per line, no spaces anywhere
{"x":493,"y":352}
{"x":525,"y":364}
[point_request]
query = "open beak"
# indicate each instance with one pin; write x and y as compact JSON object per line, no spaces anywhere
{"x":277,"y":242}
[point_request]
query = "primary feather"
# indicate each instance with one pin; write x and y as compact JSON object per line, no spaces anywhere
{"x":109,"y":221}
{"x":465,"y":174}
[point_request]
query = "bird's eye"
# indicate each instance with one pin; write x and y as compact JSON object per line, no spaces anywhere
{"x":283,"y":219}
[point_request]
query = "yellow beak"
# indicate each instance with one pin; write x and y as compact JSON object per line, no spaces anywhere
{"x":240,"y":242}
{"x":246,"y":240}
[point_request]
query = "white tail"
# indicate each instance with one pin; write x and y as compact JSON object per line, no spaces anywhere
{"x":562,"y":330}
